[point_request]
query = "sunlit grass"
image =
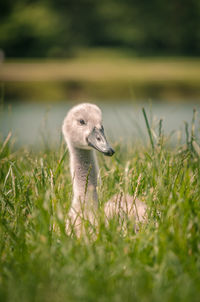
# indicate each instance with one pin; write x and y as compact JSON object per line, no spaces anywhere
{"x":101,"y":69}
{"x":39,"y":262}
{"x":102,"y":74}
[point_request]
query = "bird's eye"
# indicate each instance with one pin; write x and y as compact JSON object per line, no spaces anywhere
{"x":82,"y":122}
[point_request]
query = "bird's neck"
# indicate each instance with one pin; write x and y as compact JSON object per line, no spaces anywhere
{"x":84,"y":172}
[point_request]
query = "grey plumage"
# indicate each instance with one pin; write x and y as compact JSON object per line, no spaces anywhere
{"x":83,"y":132}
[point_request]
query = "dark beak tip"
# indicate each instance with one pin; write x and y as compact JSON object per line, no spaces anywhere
{"x":110,"y":152}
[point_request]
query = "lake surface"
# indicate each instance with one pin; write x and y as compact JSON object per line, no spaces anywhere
{"x":123,"y":121}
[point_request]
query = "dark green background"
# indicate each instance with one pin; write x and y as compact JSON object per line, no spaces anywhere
{"x":57,"y":28}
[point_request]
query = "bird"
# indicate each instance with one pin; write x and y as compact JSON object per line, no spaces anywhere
{"x":84,"y":134}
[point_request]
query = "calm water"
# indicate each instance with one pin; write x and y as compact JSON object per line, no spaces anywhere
{"x":33,"y":123}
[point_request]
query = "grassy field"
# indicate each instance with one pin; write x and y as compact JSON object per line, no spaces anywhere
{"x":102,"y":74}
{"x":39,"y":262}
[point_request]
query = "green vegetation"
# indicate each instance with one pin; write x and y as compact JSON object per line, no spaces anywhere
{"x":57,"y":28}
{"x":102,"y":74}
{"x":39,"y":262}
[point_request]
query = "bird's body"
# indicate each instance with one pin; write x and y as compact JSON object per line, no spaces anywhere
{"x":83,"y":132}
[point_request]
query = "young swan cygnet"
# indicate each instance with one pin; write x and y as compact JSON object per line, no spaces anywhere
{"x":84,"y":132}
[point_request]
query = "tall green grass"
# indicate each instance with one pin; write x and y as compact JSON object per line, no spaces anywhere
{"x":39,"y":262}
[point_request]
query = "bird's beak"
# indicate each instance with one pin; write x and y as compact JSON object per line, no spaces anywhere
{"x":97,"y":140}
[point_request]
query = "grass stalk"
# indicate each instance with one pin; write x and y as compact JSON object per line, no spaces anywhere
{"x":148,"y":128}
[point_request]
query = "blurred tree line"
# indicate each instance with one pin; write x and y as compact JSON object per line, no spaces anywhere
{"x":57,"y":28}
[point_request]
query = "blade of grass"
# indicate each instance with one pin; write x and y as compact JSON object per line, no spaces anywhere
{"x":6,"y":141}
{"x":187,"y":135}
{"x":58,"y":169}
{"x":148,"y":128}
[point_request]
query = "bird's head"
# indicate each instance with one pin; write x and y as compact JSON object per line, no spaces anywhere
{"x":83,"y":129}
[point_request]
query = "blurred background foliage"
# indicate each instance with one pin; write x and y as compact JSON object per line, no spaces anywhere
{"x":57,"y":28}
{"x":108,"y":49}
